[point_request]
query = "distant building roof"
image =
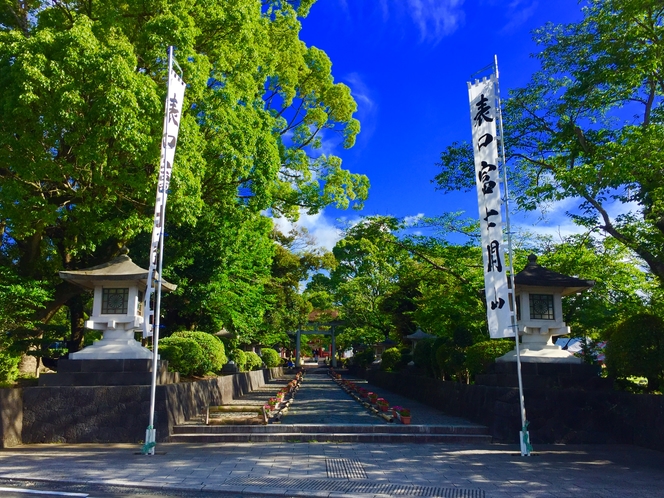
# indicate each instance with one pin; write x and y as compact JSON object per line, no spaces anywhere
{"x":323,"y":315}
{"x":535,"y":275}
{"x":120,"y":268}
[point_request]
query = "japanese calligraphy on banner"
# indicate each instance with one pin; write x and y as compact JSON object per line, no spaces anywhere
{"x":173,"y":113}
{"x":483,"y":116}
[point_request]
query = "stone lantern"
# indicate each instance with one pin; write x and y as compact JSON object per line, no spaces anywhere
{"x":117,"y":308}
{"x":539,"y":294}
{"x":418,"y":335}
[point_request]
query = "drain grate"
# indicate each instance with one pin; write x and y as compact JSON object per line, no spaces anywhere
{"x":355,"y":487}
{"x":344,"y":468}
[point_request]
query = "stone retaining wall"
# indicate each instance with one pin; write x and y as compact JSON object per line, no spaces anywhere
{"x":113,"y":414}
{"x":11,"y":421}
{"x":555,"y":415}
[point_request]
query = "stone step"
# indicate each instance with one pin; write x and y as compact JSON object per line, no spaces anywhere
{"x":356,"y":437}
{"x":469,"y":429}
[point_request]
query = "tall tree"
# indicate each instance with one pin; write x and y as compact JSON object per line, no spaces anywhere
{"x":589,"y":126}
{"x":81,"y":119}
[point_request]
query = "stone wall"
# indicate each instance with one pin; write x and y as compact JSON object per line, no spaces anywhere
{"x":115,"y":414}
{"x":555,"y":415}
{"x":11,"y":411}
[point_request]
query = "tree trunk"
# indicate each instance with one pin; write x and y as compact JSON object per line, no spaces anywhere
{"x":77,"y":320}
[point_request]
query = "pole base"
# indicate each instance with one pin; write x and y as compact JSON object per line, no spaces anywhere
{"x":524,"y":440}
{"x":150,"y":441}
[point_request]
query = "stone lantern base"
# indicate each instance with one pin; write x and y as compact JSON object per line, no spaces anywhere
{"x":539,"y":348}
{"x":114,"y":345}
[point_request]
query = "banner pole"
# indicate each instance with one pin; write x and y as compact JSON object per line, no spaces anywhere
{"x":151,"y":432}
{"x":524,"y":440}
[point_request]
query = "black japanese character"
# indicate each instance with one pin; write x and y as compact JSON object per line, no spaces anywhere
{"x":482,"y":111}
{"x":169,"y":141}
{"x":173,"y":111}
{"x":489,"y":213}
{"x":484,"y":141}
{"x":498,"y":304}
{"x":484,"y":177}
{"x":493,"y":253}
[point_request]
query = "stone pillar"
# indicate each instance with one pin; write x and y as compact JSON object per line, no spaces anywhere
{"x":298,"y":336}
{"x":334,"y":348}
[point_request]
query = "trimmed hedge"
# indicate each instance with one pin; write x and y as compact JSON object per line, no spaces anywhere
{"x":212,"y":346}
{"x":240,"y":359}
{"x":482,"y":354}
{"x":390,"y":359}
{"x":184,"y":355}
{"x":270,"y":357}
{"x":254,"y":361}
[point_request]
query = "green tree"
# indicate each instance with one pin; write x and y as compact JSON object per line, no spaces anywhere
{"x":589,"y":125}
{"x":365,"y":274}
{"x":296,"y":258}
{"x":79,"y":141}
{"x":622,"y":286}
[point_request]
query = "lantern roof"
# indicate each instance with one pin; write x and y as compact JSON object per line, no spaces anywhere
{"x":121,"y":268}
{"x":419,"y":334}
{"x":535,"y":275}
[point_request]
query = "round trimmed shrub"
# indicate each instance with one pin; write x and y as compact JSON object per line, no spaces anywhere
{"x":213,"y":347}
{"x":390,"y":359}
{"x":270,"y":357}
{"x":363,"y":359}
{"x":240,"y":359}
{"x":184,"y":355}
{"x":254,"y":361}
{"x":482,"y":354}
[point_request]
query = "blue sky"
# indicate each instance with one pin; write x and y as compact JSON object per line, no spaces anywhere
{"x":407,"y":63}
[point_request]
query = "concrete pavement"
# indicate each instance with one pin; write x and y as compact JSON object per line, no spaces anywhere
{"x":335,"y":470}
{"x":345,"y":470}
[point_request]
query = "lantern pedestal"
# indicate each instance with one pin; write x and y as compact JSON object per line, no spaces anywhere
{"x":114,"y":345}
{"x":539,"y":348}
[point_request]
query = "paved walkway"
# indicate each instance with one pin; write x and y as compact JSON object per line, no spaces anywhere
{"x":318,"y":393}
{"x":321,"y":401}
{"x":350,"y":470}
{"x":337,"y":470}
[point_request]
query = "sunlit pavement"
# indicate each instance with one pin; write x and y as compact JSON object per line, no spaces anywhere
{"x":334,"y":470}
{"x":311,"y":469}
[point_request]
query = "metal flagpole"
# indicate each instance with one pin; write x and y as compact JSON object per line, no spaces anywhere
{"x":171,"y":111}
{"x":150,"y":433}
{"x":524,"y":439}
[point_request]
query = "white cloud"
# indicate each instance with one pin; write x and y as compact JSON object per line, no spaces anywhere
{"x":324,"y":231}
{"x":518,"y":12}
{"x":555,"y":221}
{"x":412,"y":220}
{"x":435,"y":18}
{"x":361,"y":93}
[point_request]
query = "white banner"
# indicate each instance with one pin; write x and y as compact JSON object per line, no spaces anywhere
{"x":173,"y":113}
{"x":483,"y":116}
